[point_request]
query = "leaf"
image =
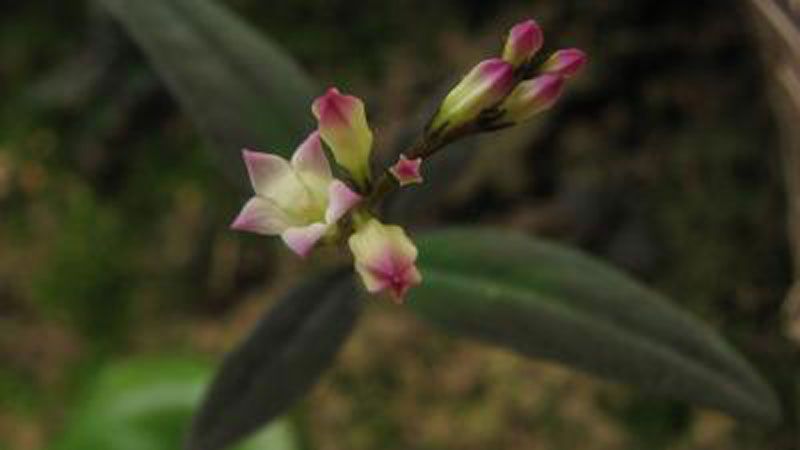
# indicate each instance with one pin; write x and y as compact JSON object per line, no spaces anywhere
{"x":278,"y":362}
{"x":543,"y":300}
{"x":241,"y":89}
{"x":146,"y":404}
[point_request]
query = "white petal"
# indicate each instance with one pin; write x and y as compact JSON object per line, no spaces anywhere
{"x":261,"y":216}
{"x":310,"y":159}
{"x":274,"y":179}
{"x":372,"y":282}
{"x":266,"y":171}
{"x":302,"y":239}
{"x":340,"y":200}
{"x":376,"y":244}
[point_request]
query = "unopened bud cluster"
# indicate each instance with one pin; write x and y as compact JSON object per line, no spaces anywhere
{"x":302,"y":201}
{"x":501,"y":92}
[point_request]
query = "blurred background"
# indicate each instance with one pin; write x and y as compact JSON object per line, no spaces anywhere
{"x":119,"y":275}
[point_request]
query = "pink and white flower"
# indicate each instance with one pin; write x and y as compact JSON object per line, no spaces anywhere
{"x":343,"y":126}
{"x":406,"y":171}
{"x":567,"y":62}
{"x":533,"y":96}
{"x":298,"y":199}
{"x":524,"y":40}
{"x":483,"y":87}
{"x":385,"y":259}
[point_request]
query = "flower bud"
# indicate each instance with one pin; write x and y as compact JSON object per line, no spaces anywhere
{"x":485,"y":85}
{"x":384,"y":258}
{"x":343,"y":126}
{"x":523,"y":41}
{"x":532,"y":97}
{"x":566,"y":62}
{"x":406,"y":171}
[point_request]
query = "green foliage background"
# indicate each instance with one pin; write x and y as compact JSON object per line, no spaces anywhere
{"x":114,"y":240}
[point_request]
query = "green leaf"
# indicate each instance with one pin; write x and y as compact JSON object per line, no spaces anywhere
{"x":278,"y":362}
{"x":146,"y":404}
{"x":241,"y":89}
{"x":544,"y":300}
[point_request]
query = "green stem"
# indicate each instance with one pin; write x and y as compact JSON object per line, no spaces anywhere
{"x":425,"y":147}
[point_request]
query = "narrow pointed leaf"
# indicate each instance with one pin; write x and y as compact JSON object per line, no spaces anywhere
{"x":544,"y":300}
{"x":241,"y":89}
{"x":282,"y":358}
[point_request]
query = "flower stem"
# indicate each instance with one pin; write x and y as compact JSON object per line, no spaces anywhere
{"x":425,"y":147}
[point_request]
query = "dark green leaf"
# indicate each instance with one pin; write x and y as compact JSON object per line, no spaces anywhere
{"x":544,"y":300}
{"x":279,"y":362}
{"x":241,"y":89}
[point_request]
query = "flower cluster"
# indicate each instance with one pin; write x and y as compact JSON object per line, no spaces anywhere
{"x":501,"y":92}
{"x":301,"y":200}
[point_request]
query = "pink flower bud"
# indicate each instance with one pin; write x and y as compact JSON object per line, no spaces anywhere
{"x":532,"y":97}
{"x":523,"y":41}
{"x":343,"y":126}
{"x":484,"y":86}
{"x":384,"y":258}
{"x":406,"y":171}
{"x":566,"y":62}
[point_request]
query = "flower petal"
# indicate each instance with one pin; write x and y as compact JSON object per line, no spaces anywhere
{"x":374,"y":241}
{"x":302,"y":239}
{"x":374,"y":284}
{"x":273,"y":178}
{"x":340,"y":200}
{"x":264,"y":170}
{"x":261,"y":216}
{"x":309,"y":159}
{"x":410,"y":278}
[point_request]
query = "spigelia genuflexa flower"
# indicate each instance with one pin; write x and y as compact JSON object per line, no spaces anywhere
{"x":566,"y":62}
{"x":524,"y":40}
{"x":385,"y":258}
{"x":532,"y":97}
{"x":406,"y":171}
{"x":343,"y":126}
{"x":483,"y":87}
{"x":299,"y":200}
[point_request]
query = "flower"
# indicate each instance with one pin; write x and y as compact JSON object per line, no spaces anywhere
{"x":384,"y":258}
{"x":406,"y":171}
{"x":343,"y":126}
{"x":566,"y":62}
{"x":532,"y":97}
{"x":484,"y":86}
{"x":523,"y":41}
{"x":299,"y":200}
